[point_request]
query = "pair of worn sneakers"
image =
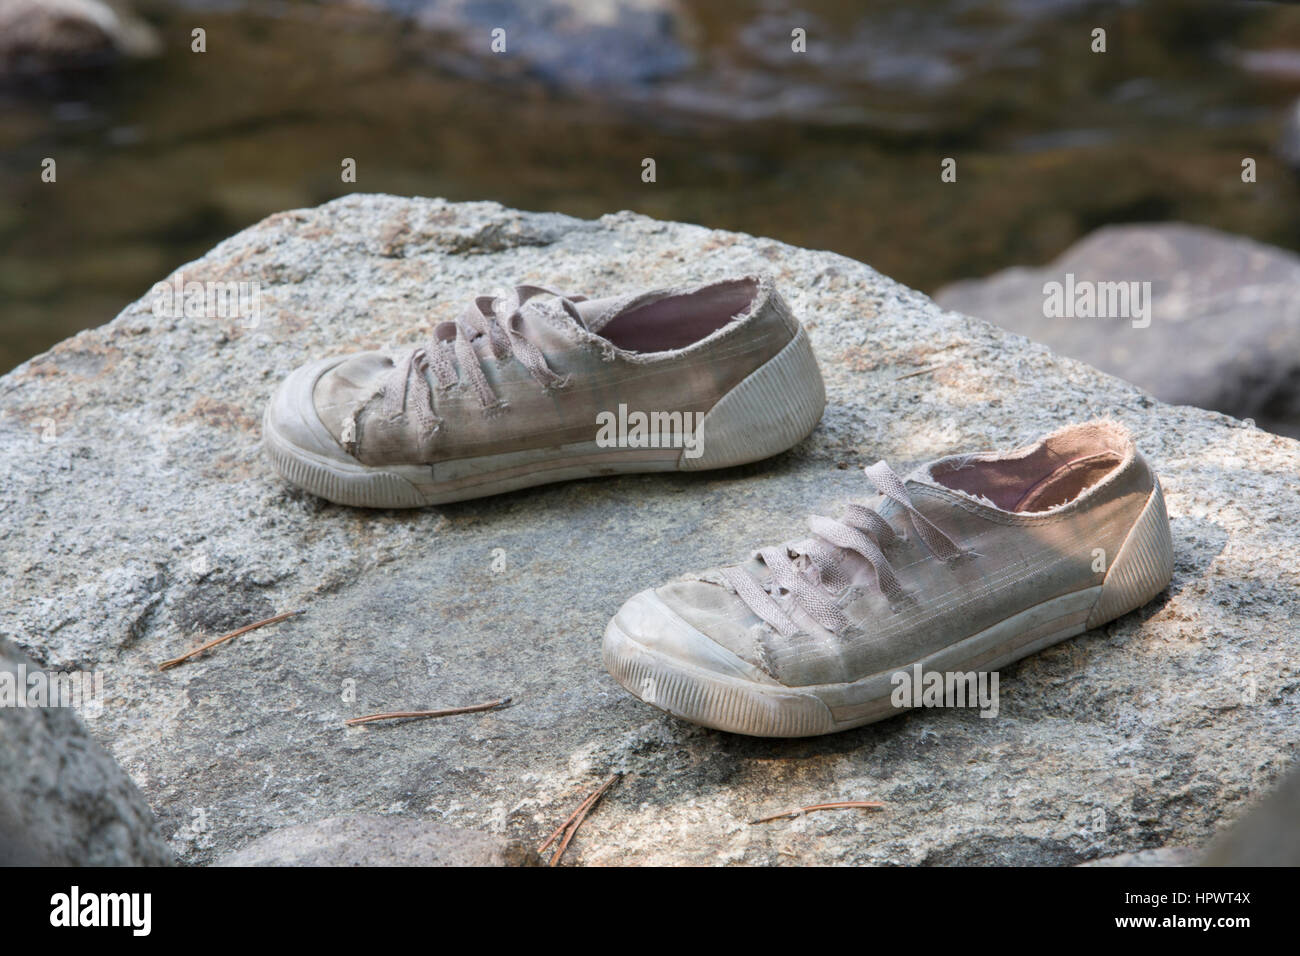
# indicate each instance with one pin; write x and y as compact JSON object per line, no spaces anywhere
{"x":968,"y":564}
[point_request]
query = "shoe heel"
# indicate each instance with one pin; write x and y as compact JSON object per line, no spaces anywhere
{"x":776,"y":406}
{"x":1142,"y":569}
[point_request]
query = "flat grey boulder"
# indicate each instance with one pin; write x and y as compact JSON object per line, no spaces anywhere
{"x":1224,"y":315}
{"x":63,"y":800}
{"x":139,"y":517}
{"x":380,"y":841}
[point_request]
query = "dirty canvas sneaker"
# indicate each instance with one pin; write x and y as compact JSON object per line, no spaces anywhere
{"x":540,"y":387}
{"x":973,"y":562}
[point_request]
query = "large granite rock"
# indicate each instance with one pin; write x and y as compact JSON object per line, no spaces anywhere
{"x":369,"y":840}
{"x":63,"y":799}
{"x":1160,"y":856}
{"x":1224,"y":317}
{"x":139,"y":515}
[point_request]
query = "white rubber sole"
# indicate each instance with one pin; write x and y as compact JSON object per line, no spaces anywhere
{"x":1144,"y":566}
{"x":720,"y":696}
{"x":768,"y":412}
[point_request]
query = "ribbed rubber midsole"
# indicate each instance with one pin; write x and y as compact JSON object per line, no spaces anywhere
{"x":1143,"y":567}
{"x":337,"y":481}
{"x":772,"y":409}
{"x":772,"y":710}
{"x":707,"y":699}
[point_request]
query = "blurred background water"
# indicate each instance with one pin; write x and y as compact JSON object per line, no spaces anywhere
{"x":163,"y":152}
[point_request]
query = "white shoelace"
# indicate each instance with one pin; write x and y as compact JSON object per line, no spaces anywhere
{"x":862,"y":531}
{"x":500,"y":320}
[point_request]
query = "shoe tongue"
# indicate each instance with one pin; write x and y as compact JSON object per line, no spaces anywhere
{"x":881,"y":503}
{"x":885,"y":507}
{"x":596,"y":313}
{"x":920,"y":474}
{"x":917,"y":476}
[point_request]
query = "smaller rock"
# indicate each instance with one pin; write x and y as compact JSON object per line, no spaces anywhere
{"x":1268,"y":835}
{"x":369,"y":840}
{"x":39,"y":36}
{"x":1213,"y":320}
{"x":569,"y":43}
{"x":1288,"y":141}
{"x":64,"y":801}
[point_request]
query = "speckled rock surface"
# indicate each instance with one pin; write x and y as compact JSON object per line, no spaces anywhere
{"x":368,"y":840}
{"x":1161,"y":856}
{"x":63,"y":799}
{"x":139,"y":516}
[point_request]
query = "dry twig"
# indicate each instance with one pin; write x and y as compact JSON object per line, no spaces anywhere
{"x":448,"y":712}
{"x":923,"y":371}
{"x":570,"y":826}
{"x":167,"y":665}
{"x":838,"y":805}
